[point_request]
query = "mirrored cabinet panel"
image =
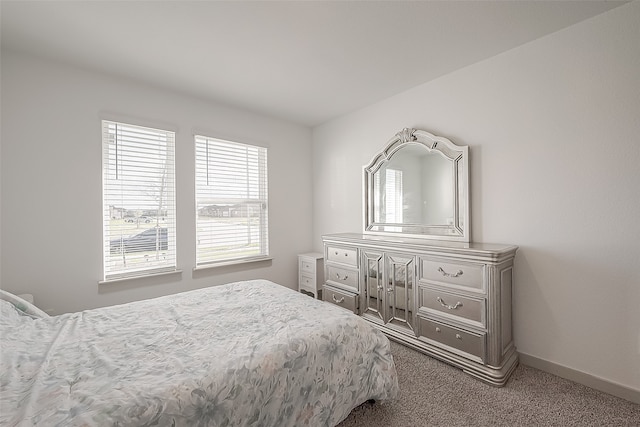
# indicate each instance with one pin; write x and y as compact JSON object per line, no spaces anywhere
{"x":388,"y":289}
{"x":400,"y":278}
{"x":373,"y":289}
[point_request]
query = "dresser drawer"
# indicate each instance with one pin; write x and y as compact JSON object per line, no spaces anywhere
{"x":343,"y":277}
{"x":471,"y":344}
{"x":343,"y":255}
{"x":459,"y":307}
{"x":461,"y":274}
{"x":340,"y":298}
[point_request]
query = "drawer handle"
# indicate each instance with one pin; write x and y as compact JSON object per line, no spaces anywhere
{"x":437,"y":329}
{"x":346,"y":276}
{"x":450,"y":307}
{"x":337,"y":301}
{"x":458,"y":336}
{"x":445,"y":274}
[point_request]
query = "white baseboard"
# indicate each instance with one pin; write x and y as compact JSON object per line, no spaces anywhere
{"x":594,"y":382}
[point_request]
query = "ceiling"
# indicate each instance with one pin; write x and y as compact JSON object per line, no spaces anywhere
{"x":303,"y":61}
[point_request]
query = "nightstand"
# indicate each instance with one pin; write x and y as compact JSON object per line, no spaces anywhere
{"x":311,"y":274}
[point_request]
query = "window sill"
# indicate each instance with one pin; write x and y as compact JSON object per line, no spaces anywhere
{"x":234,"y":262}
{"x":142,"y":276}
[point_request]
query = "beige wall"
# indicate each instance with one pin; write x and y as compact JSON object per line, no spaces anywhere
{"x":553,"y":128}
{"x":51,"y":183}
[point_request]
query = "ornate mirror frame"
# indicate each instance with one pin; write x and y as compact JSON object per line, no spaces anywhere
{"x":456,"y":230}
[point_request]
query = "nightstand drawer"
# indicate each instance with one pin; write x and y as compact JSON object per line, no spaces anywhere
{"x":461,"y":274}
{"x":342,"y":255}
{"x":343,"y":277}
{"x":472,"y":344}
{"x":308,"y":283}
{"x":340,"y":298}
{"x":308,"y":266}
{"x":459,"y":307}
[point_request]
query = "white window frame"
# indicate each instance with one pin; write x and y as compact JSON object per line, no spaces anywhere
{"x":230,"y":182}
{"x":138,"y":193}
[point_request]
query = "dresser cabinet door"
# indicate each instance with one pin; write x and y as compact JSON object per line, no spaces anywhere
{"x":399,"y":298}
{"x":373,"y":289}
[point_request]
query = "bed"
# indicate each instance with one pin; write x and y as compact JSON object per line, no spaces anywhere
{"x":250,"y":353}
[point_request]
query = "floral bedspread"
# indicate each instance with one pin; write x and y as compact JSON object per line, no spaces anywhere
{"x":250,"y":353}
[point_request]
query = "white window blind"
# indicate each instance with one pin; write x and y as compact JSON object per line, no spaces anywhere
{"x":394,"y":196}
{"x":231,"y":202}
{"x":138,"y":190}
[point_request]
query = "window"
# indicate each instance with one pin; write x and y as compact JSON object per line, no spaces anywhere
{"x":231,"y":202}
{"x":138,"y":192}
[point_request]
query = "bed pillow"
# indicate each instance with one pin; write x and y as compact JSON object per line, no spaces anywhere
{"x":10,"y":316}
{"x":22,"y":305}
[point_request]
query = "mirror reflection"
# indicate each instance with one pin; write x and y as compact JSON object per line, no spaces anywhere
{"x":418,"y":186}
{"x":414,"y":187}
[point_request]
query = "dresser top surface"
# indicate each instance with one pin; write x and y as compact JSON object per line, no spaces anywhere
{"x":314,"y":255}
{"x":421,"y":244}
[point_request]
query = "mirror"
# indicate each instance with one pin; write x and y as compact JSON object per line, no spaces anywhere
{"x":418,"y":186}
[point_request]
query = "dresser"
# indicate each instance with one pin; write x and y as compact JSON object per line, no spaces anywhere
{"x":450,"y":300}
{"x":311,"y":274}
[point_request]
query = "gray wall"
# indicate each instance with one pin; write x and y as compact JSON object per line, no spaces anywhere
{"x":51,"y":183}
{"x":553,"y":128}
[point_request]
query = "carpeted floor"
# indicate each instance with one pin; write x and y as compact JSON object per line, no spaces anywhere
{"x":433,"y":393}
